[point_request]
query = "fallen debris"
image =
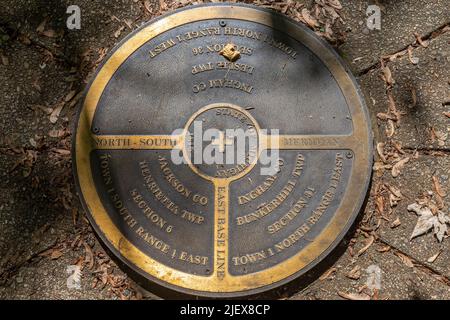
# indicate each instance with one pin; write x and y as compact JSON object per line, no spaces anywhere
{"x":438,"y":136}
{"x":434,"y":257}
{"x":437,"y":187}
{"x":420,"y":41}
{"x":383,"y":249}
{"x":54,"y":116}
{"x":4,"y":59}
{"x":387,"y":75}
{"x":380,"y":150}
{"x":354,"y":296}
{"x":405,"y":259}
{"x":412,"y":59}
{"x":370,"y":241}
{"x":395,"y":223}
{"x":355,"y":273}
{"x":328,"y":274}
{"x":396,"y":168}
{"x":394,"y":195}
{"x":428,"y":220}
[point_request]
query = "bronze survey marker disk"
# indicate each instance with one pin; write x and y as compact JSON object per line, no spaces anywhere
{"x":211,"y":229}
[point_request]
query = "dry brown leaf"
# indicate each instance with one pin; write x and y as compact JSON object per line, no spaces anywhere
{"x":24,"y":39}
{"x":396,"y":168}
{"x":350,"y":251}
{"x":56,"y":112}
{"x":394,"y":56}
{"x":113,"y":17}
{"x":440,"y":136}
{"x":63,"y":152}
{"x":385,"y":116}
{"x":393,"y":200}
{"x":56,"y":254}
{"x":327,"y":274}
{"x":45,"y":109}
{"x":432,"y":135}
{"x":437,"y":187}
{"x":380,"y":150}
{"x":5,"y":60}
{"x":335,"y":4}
{"x":395,"y":223}
{"x":394,"y":196}
{"x":102,"y":52}
{"x":74,"y":216}
{"x":354,"y":296}
{"x":56,"y":133}
{"x":355,"y":273}
{"x":383,"y":249}
{"x":378,"y":166}
{"x":148,"y":7}
{"x":447,"y":114}
{"x":379,"y":202}
{"x":393,"y":107}
{"x":50,"y":33}
{"x":75,"y":99}
{"x":439,"y":202}
{"x":41,"y":26}
{"x":411,"y":58}
{"x":310,"y":20}
{"x":330,"y":12}
{"x":89,"y":257}
{"x":420,"y":41}
{"x":387,"y":74}
{"x":129,"y":23}
{"x":162,"y":5}
{"x":119,"y":31}
{"x":398,"y":147}
{"x":434,"y":257}
{"x":390,"y":128}
{"x":395,"y":191}
{"x":328,"y":34}
{"x":367,"y":246}
{"x":70,"y":95}
{"x":94,"y":283}
{"x":405,"y":259}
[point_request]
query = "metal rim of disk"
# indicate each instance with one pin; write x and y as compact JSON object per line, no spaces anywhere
{"x":357,"y":145}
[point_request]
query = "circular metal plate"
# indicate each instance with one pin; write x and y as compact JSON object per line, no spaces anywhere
{"x":222,"y":229}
